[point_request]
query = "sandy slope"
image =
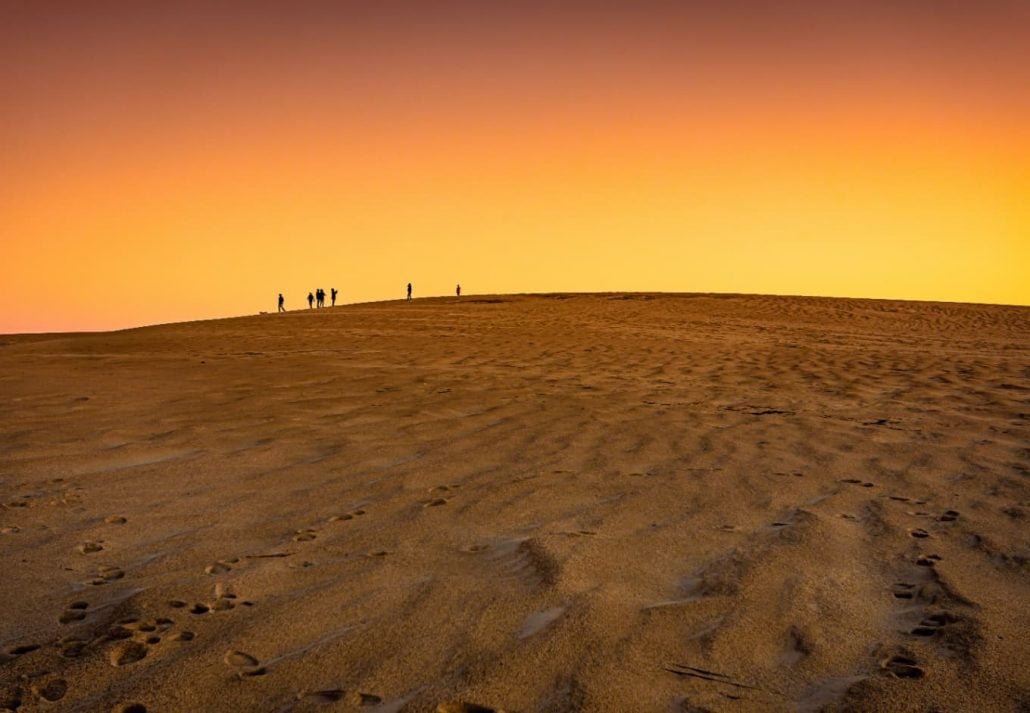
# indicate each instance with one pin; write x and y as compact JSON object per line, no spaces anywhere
{"x":553,"y":503}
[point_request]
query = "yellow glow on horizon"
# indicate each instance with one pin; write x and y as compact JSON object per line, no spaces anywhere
{"x":115,"y":218}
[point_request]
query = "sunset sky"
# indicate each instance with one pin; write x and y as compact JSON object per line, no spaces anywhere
{"x":184,"y":160}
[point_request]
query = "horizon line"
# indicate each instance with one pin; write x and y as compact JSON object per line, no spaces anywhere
{"x":470,"y":297}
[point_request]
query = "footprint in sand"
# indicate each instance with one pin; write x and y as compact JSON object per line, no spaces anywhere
{"x":435,"y":502}
{"x":222,"y":605}
{"x":928,"y":560}
{"x":918,"y":532}
{"x":225,"y":598}
{"x":903,"y":590}
{"x":347,"y":515}
{"x":88,"y":548}
{"x":128,"y":652}
{"x":239,"y":659}
{"x":244,"y":663}
{"x":218,"y":567}
{"x":107,"y":573}
{"x":933,"y":623}
{"x":119,"y":632}
{"x":948,"y":516}
{"x":856,"y":481}
{"x":129,"y":708}
{"x":335,"y":695}
{"x":304,"y":535}
{"x":11,"y":698}
{"x":52,"y":690}
{"x":147,"y":628}
{"x":73,"y":646}
{"x":10,"y":530}
{"x":223,"y":601}
{"x":330,"y":695}
{"x":21,"y":650}
{"x":463,"y":707}
{"x":902,"y":666}
{"x":115,"y":520}
{"x":76,"y":611}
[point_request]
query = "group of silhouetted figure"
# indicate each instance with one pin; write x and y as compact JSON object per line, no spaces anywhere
{"x":316,"y":299}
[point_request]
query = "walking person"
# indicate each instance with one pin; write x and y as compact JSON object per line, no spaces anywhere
{"x":311,"y":300}
{"x":457,"y":290}
{"x":409,"y":290}
{"x":281,"y":303}
{"x":333,"y":292}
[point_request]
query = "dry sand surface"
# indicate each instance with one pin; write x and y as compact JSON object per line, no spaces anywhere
{"x":533,"y":503}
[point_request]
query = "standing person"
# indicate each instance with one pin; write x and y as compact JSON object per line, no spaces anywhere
{"x":333,"y":292}
{"x":281,"y":303}
{"x":319,"y":298}
{"x":457,"y":290}
{"x":409,"y":290}
{"x":311,"y":300}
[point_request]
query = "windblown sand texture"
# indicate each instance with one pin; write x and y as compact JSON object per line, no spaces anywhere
{"x":534,"y":503}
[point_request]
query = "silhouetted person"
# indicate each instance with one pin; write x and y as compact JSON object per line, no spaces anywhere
{"x":333,"y":292}
{"x":457,"y":290}
{"x":311,"y":300}
{"x":409,"y":290}
{"x":281,"y":303}
{"x":320,"y":297}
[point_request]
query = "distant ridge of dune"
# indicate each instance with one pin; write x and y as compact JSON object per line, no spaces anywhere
{"x":501,"y":298}
{"x":567,"y":502}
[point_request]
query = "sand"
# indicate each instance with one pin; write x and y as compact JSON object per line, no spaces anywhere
{"x":530,"y":503}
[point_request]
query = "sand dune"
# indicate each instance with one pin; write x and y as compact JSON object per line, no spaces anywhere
{"x":534,"y":503}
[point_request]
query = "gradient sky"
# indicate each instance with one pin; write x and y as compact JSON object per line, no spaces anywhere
{"x":181,"y":160}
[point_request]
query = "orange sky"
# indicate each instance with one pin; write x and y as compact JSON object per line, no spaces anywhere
{"x":169,"y":161}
